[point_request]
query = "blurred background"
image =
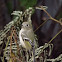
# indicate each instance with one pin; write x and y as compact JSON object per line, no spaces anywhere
{"x":48,"y":30}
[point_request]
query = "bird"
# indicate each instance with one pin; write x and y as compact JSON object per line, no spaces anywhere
{"x":27,"y":37}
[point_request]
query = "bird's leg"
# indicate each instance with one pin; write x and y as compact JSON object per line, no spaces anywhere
{"x":30,"y":53}
{"x":33,"y":54}
{"x":27,"y":56}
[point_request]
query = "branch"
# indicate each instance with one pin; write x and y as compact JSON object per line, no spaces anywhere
{"x":59,"y":58}
{"x":41,"y":8}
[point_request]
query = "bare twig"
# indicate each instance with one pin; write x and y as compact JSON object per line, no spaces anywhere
{"x":55,"y":36}
{"x":49,"y":15}
{"x":40,"y":25}
{"x":11,"y":41}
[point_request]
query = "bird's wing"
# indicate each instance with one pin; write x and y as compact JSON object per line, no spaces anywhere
{"x":25,"y":38}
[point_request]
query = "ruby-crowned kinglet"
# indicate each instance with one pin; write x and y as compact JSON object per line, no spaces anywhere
{"x":26,"y":35}
{"x":27,"y":38}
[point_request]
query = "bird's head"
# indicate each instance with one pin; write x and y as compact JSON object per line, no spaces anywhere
{"x":27,"y":25}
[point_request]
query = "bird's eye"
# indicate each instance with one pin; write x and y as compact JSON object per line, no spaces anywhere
{"x":27,"y":25}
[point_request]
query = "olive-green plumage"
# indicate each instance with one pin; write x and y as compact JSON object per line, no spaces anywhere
{"x":26,"y":35}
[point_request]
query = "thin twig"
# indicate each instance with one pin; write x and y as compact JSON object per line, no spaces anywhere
{"x":40,"y":25}
{"x":10,"y":45}
{"x":11,"y":41}
{"x":50,"y":15}
{"x":55,"y":36}
{"x":6,"y":47}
